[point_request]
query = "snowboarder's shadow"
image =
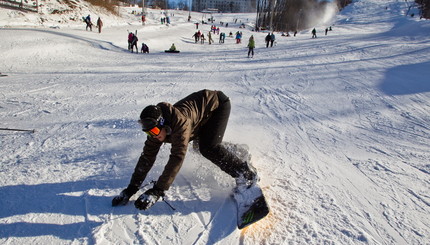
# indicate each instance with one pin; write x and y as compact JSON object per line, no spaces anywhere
{"x":38,"y":205}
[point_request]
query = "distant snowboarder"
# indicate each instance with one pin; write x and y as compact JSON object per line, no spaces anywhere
{"x":267,"y":39}
{"x":314,"y":33}
{"x":222,"y":37}
{"x":196,"y":37}
{"x":172,"y":49}
{"x":89,"y":23}
{"x":210,"y":40}
{"x":272,"y":39}
{"x":251,"y":46}
{"x":132,"y":42}
{"x":145,"y":48}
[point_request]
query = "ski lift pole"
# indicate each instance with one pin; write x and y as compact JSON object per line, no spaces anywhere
{"x":18,"y":130}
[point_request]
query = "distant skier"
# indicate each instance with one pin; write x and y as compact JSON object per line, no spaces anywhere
{"x":251,"y":46}
{"x":196,"y":37}
{"x":222,"y":37}
{"x":99,"y":24}
{"x":130,"y":39}
{"x":267,"y":39}
{"x":210,"y":40}
{"x":238,"y":37}
{"x":314,"y":33}
{"x":89,"y":23}
{"x":133,"y":43}
{"x":145,"y":48}
{"x":201,"y":116}
{"x":272,"y":39}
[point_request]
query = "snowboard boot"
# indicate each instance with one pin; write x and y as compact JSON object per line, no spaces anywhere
{"x":247,"y":177}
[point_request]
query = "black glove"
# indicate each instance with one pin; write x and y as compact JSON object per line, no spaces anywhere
{"x":124,"y":196}
{"x":149,"y":198}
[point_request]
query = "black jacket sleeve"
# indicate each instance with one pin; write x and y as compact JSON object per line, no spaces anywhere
{"x":145,"y":163}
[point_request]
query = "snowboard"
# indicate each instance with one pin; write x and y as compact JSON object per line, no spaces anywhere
{"x":250,"y":201}
{"x":251,"y":205}
{"x":170,"y":51}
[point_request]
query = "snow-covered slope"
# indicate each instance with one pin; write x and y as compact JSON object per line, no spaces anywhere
{"x":338,"y":128}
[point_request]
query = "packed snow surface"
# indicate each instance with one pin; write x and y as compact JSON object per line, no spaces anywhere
{"x":338,"y":128}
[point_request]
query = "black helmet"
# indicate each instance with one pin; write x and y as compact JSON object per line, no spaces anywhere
{"x":151,"y":117}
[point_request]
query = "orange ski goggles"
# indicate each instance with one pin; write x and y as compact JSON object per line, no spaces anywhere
{"x":155,"y":131}
{"x":150,"y":126}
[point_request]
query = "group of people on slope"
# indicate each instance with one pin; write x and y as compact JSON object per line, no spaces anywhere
{"x":270,"y":39}
{"x":87,"y":21}
{"x":132,"y":43}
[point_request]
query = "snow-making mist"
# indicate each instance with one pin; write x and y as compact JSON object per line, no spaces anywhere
{"x":320,"y":17}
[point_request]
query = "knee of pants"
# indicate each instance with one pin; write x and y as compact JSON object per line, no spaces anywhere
{"x":205,"y":152}
{"x":209,"y":152}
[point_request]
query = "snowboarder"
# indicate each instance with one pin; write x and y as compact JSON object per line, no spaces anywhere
{"x":201,"y":116}
{"x":173,"y":47}
{"x":99,"y":24}
{"x":251,"y":46}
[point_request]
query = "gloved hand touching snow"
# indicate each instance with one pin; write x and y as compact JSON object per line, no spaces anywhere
{"x":149,"y":198}
{"x":124,"y":196}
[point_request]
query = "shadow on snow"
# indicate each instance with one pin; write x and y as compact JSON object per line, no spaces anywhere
{"x":406,"y":79}
{"x":74,"y":199}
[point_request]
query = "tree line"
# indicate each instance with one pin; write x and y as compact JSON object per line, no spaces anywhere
{"x":424,"y":7}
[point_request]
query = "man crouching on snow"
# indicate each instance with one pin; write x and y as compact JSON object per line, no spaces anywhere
{"x":201,"y":116}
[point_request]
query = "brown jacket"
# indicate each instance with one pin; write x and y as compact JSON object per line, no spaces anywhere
{"x":184,"y":119}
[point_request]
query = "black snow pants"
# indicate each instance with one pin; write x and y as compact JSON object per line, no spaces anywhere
{"x":210,"y":138}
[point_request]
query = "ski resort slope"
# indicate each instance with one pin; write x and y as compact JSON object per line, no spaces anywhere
{"x":338,"y":128}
